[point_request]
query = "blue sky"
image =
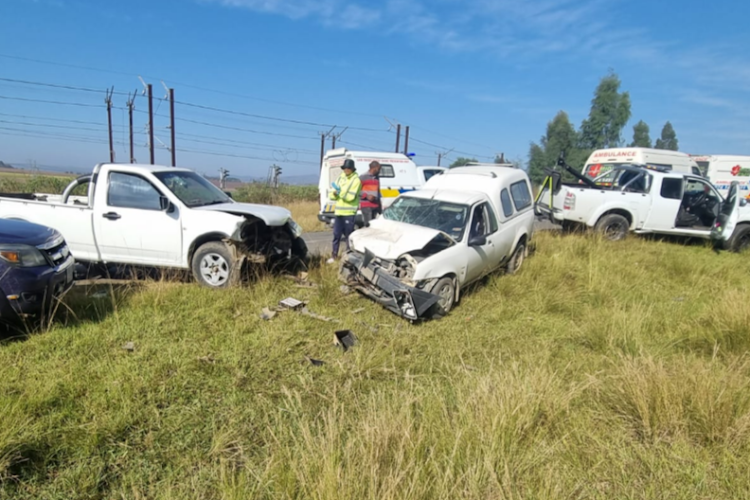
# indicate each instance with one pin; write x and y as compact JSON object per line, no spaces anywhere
{"x":475,"y":76}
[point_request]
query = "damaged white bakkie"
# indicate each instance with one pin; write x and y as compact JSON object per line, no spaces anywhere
{"x":156,"y":216}
{"x":431,"y":243}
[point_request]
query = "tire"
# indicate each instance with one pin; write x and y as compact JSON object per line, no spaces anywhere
{"x":740,"y":241}
{"x":446,"y":289}
{"x":516,"y":260}
{"x":213,"y":265}
{"x":614,"y":227}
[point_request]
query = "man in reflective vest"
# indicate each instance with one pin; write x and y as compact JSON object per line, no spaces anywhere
{"x":346,"y":193}
{"x":370,"y":204}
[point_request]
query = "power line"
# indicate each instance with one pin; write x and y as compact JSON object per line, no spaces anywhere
{"x":217,"y":153}
{"x":265,"y":117}
{"x":49,"y":125}
{"x":222,"y":92}
{"x":65,"y":103}
{"x":54,"y":119}
{"x":59,"y":86}
{"x":455,"y":150}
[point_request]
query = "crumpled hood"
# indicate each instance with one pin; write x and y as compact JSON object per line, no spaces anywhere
{"x":389,"y":239}
{"x":272,"y":216}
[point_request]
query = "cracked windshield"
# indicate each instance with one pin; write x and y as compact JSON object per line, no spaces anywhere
{"x":192,"y":189}
{"x":449,"y":218}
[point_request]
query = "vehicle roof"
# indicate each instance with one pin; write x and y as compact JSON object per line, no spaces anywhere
{"x":489,"y":180}
{"x":448,"y":195}
{"x":144,"y":167}
{"x":357,"y":155}
{"x":651,"y":151}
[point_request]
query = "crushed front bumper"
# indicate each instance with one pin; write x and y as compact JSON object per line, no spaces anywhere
{"x":364,"y":273}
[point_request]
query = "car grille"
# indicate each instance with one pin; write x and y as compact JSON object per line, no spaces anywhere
{"x":57,"y":252}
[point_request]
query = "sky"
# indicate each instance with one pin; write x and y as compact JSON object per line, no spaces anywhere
{"x":257,"y":81}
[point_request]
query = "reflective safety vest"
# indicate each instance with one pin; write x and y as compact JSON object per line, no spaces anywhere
{"x":347,"y":198}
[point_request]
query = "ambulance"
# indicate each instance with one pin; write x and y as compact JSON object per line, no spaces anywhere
{"x":603,"y":160}
{"x":721,"y":170}
{"x":398,"y":174}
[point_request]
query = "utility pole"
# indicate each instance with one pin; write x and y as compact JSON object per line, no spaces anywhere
{"x":334,"y":137}
{"x":108,"y":102}
{"x":406,"y":141}
{"x":171,"y":126}
{"x":150,"y":91}
{"x":442,"y":154}
{"x":223,"y":174}
{"x":131,"y":107}
{"x":398,"y":136}
{"x":322,"y":148}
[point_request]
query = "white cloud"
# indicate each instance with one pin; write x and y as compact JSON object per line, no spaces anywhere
{"x":339,"y":13}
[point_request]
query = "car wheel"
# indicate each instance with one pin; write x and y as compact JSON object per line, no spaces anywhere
{"x":213,"y":265}
{"x":614,"y":227}
{"x":445,"y":288}
{"x":516,"y":259}
{"x":741,"y":239}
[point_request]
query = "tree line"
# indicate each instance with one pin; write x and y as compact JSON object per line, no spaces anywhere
{"x":610,"y":112}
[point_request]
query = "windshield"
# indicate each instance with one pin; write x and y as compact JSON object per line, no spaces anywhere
{"x":594,"y":170}
{"x":625,"y":179}
{"x":449,"y":218}
{"x":192,"y":189}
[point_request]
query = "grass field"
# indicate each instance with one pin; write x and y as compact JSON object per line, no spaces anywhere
{"x":602,"y":370}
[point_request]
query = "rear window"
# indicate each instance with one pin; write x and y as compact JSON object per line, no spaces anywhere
{"x":520,"y":194}
{"x":431,"y":173}
{"x":507,"y":205}
{"x":386,"y":171}
{"x":671,"y":189}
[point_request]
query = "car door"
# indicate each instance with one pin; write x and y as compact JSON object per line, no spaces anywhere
{"x":484,"y":253}
{"x":729,"y":214}
{"x":705,"y":218}
{"x":131,"y":225}
{"x":665,"y":204}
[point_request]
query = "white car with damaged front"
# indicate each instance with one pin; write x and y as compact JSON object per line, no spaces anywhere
{"x":431,"y":243}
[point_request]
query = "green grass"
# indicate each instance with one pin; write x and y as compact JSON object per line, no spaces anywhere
{"x":602,"y":370}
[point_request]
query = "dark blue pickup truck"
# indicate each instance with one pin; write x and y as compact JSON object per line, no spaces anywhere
{"x":35,"y":268}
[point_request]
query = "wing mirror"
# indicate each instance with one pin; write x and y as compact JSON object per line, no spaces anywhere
{"x":477,"y":241}
{"x":229,"y":194}
{"x":743,"y":202}
{"x":165,"y":204}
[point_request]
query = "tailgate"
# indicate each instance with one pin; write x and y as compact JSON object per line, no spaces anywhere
{"x":550,"y":204}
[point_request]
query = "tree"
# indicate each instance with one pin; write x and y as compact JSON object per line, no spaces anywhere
{"x":561,"y":137}
{"x":668,"y":138}
{"x":460,"y":162}
{"x":610,"y":111}
{"x":641,"y":138}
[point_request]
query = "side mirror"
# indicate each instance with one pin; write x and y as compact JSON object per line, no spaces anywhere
{"x":743,"y":202}
{"x":477,"y":241}
{"x":228,"y":193}
{"x":165,"y":204}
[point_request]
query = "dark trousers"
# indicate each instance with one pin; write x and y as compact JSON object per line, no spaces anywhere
{"x":343,"y":227}
{"x":369,"y":214}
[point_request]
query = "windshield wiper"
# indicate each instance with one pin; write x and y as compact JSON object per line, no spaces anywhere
{"x":215,"y":202}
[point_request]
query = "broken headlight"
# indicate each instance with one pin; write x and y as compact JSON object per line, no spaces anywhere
{"x":295,"y":228}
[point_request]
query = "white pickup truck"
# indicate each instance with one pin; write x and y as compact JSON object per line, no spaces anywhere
{"x":156,"y":216}
{"x":432,"y":242}
{"x":647,"y":200}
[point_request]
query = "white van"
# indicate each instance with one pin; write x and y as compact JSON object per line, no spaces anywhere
{"x":603,"y":160}
{"x":721,"y":170}
{"x":398,"y":174}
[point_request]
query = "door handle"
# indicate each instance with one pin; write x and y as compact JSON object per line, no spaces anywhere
{"x":111,"y":216}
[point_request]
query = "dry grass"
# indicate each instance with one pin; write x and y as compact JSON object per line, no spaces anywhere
{"x":305,"y":213}
{"x":602,"y":370}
